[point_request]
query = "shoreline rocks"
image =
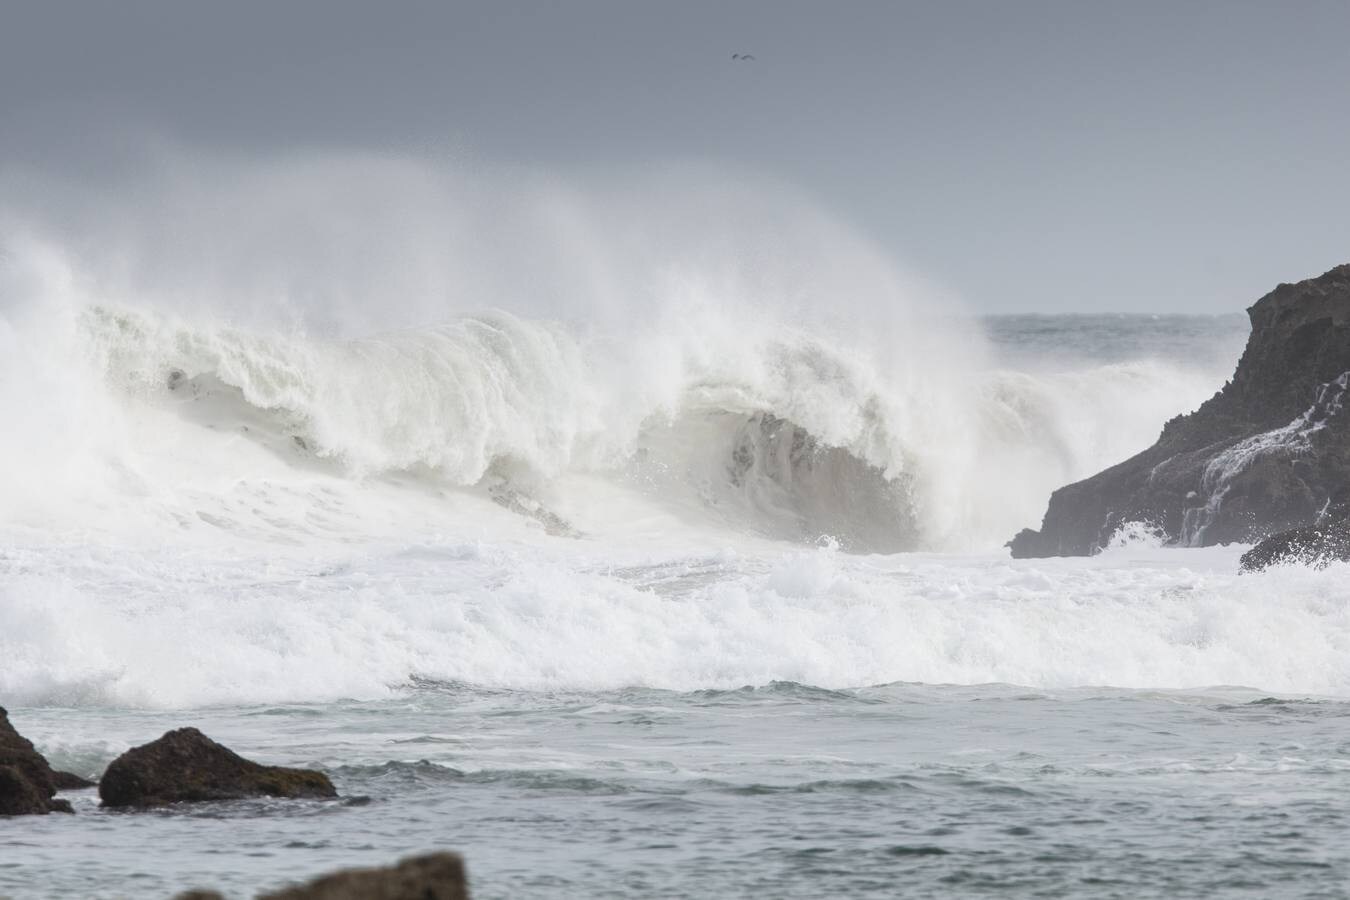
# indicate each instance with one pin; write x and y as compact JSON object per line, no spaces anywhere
{"x":28,"y":784}
{"x":1268,"y":453}
{"x":185,"y":766}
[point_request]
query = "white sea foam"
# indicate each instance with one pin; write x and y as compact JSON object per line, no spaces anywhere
{"x":159,"y":630}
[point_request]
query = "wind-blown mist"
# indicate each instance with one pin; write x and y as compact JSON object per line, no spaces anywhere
{"x":711,"y":350}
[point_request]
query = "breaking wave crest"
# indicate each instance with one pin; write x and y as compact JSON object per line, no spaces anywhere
{"x":345,"y":318}
{"x":268,"y":440}
{"x":790,"y":438}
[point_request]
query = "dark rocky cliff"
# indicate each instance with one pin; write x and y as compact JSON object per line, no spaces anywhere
{"x":1269,"y":452}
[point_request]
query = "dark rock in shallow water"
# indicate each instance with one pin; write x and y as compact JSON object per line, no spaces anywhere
{"x":28,"y":784}
{"x":21,"y":796}
{"x":18,"y":752}
{"x":185,"y":766}
{"x":436,"y":876}
{"x":67,"y":781}
{"x":1316,"y":546}
{"x":1268,"y":453}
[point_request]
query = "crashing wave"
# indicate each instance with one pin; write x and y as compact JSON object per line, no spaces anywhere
{"x":794,"y":437}
{"x":776,"y":478}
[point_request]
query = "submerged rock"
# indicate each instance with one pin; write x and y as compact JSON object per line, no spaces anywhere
{"x":69,"y":781}
{"x":1316,"y":546}
{"x":186,"y":766}
{"x":802,"y":488}
{"x":28,"y":785}
{"x":436,"y":876}
{"x":1268,"y":453}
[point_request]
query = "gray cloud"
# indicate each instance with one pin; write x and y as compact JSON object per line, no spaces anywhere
{"x":1052,"y":156}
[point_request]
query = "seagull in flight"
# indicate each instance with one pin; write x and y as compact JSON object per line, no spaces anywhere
{"x":743,"y":57}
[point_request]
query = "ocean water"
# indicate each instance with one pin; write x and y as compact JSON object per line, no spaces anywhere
{"x":635,"y":568}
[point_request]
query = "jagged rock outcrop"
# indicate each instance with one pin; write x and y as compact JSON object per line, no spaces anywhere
{"x":1268,"y":453}
{"x":1317,"y":546}
{"x":28,"y":785}
{"x":186,"y":766}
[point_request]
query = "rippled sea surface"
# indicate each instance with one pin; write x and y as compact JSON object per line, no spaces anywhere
{"x":782,"y":790}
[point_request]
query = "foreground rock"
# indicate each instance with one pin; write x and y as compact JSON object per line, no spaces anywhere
{"x":1316,"y":546}
{"x":436,"y":876}
{"x":28,"y":785}
{"x":21,"y":796}
{"x":1268,"y":453}
{"x":186,"y":766}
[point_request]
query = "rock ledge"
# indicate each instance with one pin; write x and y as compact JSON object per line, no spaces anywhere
{"x":1268,"y":453}
{"x":186,"y":766}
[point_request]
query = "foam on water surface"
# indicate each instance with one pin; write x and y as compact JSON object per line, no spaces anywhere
{"x":179,"y":628}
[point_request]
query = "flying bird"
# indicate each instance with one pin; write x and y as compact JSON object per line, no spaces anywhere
{"x":743,"y":57}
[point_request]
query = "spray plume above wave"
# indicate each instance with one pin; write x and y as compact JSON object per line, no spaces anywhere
{"x":361,"y":421}
{"x":345,"y":317}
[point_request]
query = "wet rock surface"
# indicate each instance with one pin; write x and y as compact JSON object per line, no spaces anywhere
{"x":436,"y":876}
{"x":28,"y":785}
{"x":185,"y":766}
{"x":20,"y":796}
{"x":1316,"y":546}
{"x":1268,"y":453}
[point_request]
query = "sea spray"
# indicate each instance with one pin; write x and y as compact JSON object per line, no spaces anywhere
{"x":346,"y":311}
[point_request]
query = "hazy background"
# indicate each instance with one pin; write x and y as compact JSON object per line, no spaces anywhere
{"x":1047,"y":156}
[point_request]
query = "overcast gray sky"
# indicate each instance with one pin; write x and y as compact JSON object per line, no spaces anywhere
{"x":1050,"y":156}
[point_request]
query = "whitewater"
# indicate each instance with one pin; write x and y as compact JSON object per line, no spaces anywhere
{"x":624,"y":542}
